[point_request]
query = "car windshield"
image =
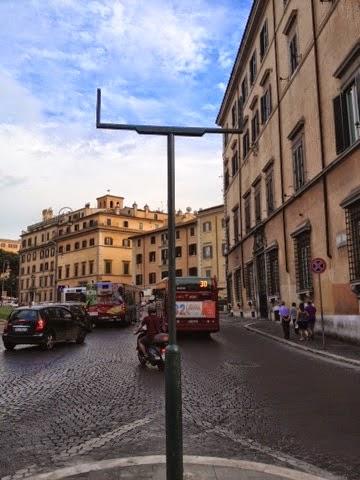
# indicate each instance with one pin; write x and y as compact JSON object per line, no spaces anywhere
{"x":24,"y":315}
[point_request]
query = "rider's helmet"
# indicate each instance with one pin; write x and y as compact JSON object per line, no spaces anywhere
{"x":152,"y":308}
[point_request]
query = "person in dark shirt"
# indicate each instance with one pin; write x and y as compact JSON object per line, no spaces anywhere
{"x":311,"y":311}
{"x":153,"y":325}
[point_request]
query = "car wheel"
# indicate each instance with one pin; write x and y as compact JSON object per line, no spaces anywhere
{"x":81,"y":337}
{"x":49,"y":342}
{"x":9,"y":346}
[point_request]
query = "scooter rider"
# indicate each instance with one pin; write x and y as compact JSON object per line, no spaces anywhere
{"x":153,"y":327}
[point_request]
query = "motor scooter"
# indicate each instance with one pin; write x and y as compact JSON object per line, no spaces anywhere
{"x":155,"y":351}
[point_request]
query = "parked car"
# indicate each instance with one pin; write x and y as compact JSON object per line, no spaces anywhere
{"x":42,"y":325}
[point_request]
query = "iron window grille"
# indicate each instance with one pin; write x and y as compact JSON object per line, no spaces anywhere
{"x":353,"y":240}
{"x":272,"y":273}
{"x":237,"y":282}
{"x":302,"y":261}
{"x":249,"y":281}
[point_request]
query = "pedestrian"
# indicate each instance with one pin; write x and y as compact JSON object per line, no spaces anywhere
{"x":293,"y":315}
{"x":311,"y":311}
{"x":285,"y":320}
{"x":302,"y":321}
{"x":276,"y":309}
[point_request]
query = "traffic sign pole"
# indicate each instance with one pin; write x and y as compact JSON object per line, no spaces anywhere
{"x":318,"y":266}
{"x":321,"y":313}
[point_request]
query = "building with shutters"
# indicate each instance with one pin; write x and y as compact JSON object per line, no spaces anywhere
{"x":292,"y":178}
{"x":81,"y":246}
{"x":200,"y":249}
{"x":12,"y":246}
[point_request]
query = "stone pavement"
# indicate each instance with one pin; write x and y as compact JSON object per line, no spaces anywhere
{"x":195,"y":468}
{"x":334,"y":348}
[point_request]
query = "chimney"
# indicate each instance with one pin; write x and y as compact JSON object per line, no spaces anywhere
{"x":134,"y":209}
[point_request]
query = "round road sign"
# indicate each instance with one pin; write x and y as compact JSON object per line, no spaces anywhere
{"x":318,"y":265}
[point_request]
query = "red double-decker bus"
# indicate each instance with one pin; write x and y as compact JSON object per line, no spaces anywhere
{"x":196,"y":303}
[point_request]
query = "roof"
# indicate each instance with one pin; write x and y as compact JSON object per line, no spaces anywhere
{"x":207,"y":210}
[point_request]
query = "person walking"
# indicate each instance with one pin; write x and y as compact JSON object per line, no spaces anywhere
{"x":311,"y":311}
{"x":285,"y":320}
{"x":302,"y":321}
{"x":293,"y":316}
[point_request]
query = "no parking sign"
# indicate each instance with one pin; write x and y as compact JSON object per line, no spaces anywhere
{"x":318,"y":265}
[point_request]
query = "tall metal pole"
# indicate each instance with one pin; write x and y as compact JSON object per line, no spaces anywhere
{"x":321,"y":313}
{"x":173,"y":400}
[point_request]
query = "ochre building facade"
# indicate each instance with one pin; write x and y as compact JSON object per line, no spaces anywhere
{"x":83,"y":246}
{"x":292,"y":177}
{"x":12,"y":246}
{"x":200,"y":249}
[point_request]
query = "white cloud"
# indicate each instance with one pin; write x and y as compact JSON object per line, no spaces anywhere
{"x":221,"y":86}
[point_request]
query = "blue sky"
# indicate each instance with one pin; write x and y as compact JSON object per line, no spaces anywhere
{"x":158,"y":61}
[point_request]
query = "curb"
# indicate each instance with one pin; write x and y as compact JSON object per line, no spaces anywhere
{"x":281,"y":472}
{"x":332,"y":356}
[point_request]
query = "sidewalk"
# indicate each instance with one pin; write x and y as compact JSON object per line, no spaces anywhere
{"x":334,"y":348}
{"x":195,"y":468}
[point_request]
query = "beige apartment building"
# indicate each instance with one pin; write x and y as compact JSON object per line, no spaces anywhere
{"x":12,"y":246}
{"x":83,"y":246}
{"x":200,"y":249}
{"x":292,"y":178}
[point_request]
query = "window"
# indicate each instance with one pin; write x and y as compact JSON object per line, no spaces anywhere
{"x":293,"y":53}
{"x":266,"y":105}
{"x":61,"y":249}
{"x":192,"y":249}
{"x":68,"y":229}
{"x":92,"y":242}
{"x":22,"y":284}
{"x":68,"y":247}
{"x":269,"y":182}
{"x":178,"y":252}
{"x":252,"y":68}
{"x":108,"y":221}
{"x":237,"y":286}
{"x":353,"y":239}
{"x":164,"y":274}
{"x":126,"y":242}
{"x":139,"y":242}
{"x":84,"y":225}
{"x":83,"y":268}
{"x":164,"y":256}
{"x":208,"y":273}
{"x":91,"y":223}
{"x":249,"y":281}
{"x":22,"y":271}
{"x":76,"y":227}
{"x":192,"y":231}
{"x":193,"y":272}
{"x":34,"y":256}
{"x":152,"y":256}
{"x":264,"y":40}
{"x":41,"y":253}
{"x":244,"y":89}
{"x":59,"y":273}
{"x":41,"y":282}
{"x":53,"y":252}
{"x":29,"y":242}
{"x":255,"y":127}
{"x":257,"y":202}
{"x":246,"y":143}
{"x":52,"y":266}
{"x":153,"y":240}
{"x":347,"y":115}
{"x":67,"y":271}
{"x":41,"y":267}
{"x":126,"y":223}
{"x":138,"y":259}
{"x":207,"y":251}
{"x":108,"y":266}
{"x":84,"y":243}
{"x":152,"y":277}
{"x":126,"y":268}
{"x":27,"y":282}
{"x":247,"y":208}
{"x":164,"y":238}
{"x":42,"y":237}
{"x":23,"y":243}
{"x":298,"y":163}
{"x":46,"y":266}
{"x":77,"y":245}
{"x":76,"y":269}
{"x":33,"y":269}
{"x":178,"y":273}
{"x":138,"y":279}
{"x":234,"y":163}
{"x":108,"y":241}
{"x":234,"y":112}
{"x":236,"y":224}
{"x":91,"y":267}
{"x":226,"y":179}
{"x":272,"y":272}
{"x":28,"y":270}
{"x":177,"y":234}
{"x":302,"y":261}
{"x":207,"y":227}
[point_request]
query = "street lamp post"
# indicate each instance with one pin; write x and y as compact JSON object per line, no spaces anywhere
{"x":173,"y":400}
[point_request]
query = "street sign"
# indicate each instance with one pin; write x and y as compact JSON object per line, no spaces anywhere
{"x":318,"y":265}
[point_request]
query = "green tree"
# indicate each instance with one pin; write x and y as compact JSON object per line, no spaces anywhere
{"x":9,"y":262}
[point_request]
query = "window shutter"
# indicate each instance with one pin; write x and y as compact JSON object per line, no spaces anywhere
{"x":262,"y":108}
{"x":240,"y":112}
{"x":339,"y":133}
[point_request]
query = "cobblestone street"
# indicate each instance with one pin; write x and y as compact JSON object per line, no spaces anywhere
{"x":245,"y":397}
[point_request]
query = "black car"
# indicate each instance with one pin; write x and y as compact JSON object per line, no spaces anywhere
{"x":80,"y":313}
{"x":42,"y":325}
